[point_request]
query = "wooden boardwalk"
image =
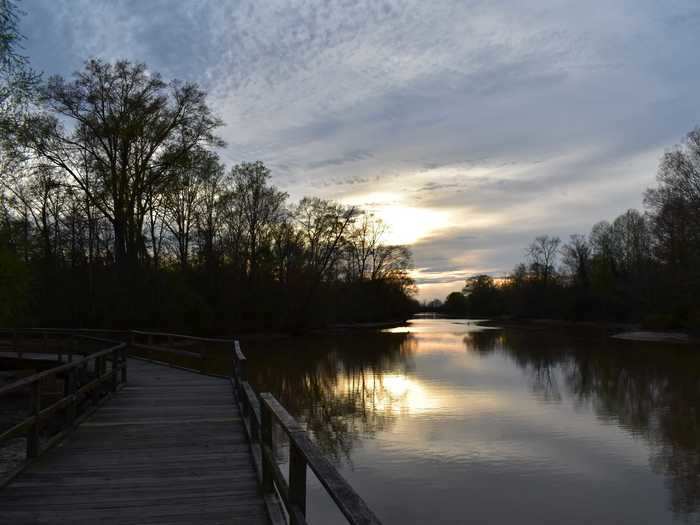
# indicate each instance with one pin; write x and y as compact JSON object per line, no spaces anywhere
{"x":170,"y":447}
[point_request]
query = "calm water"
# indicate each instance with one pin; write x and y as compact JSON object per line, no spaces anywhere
{"x":445,"y":421}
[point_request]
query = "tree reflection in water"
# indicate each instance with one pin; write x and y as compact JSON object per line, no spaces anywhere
{"x":346,"y":389}
{"x":652,"y":391}
{"x":338,"y":386}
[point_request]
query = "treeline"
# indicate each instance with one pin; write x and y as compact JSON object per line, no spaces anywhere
{"x":115,"y":210}
{"x":641,"y":267}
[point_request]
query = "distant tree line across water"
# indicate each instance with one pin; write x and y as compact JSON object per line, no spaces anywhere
{"x":115,"y":210}
{"x":641,"y":267}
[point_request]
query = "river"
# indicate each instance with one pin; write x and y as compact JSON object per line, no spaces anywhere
{"x":448,"y":421}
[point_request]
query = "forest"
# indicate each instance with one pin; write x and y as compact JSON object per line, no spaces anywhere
{"x":643,"y":267}
{"x":116,"y":211}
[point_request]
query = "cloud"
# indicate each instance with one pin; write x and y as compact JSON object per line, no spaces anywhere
{"x":349,"y":157}
{"x":514,"y":118}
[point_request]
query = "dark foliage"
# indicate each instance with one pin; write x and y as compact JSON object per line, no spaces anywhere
{"x":117,"y":212}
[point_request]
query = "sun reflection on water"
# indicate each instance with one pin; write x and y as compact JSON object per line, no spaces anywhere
{"x":447,"y":408}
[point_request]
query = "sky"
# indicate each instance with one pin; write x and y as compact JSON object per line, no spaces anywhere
{"x":469,"y":127}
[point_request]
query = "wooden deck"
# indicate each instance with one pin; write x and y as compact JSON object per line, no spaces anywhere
{"x":170,"y":447}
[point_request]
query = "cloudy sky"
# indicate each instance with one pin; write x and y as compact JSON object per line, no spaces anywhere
{"x":468,"y":126}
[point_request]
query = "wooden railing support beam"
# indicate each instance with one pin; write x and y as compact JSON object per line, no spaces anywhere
{"x":125,"y":359}
{"x":297,"y":482}
{"x":33,"y":436}
{"x":266,"y":444}
{"x":69,"y":392}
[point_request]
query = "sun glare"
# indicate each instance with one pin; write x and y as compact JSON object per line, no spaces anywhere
{"x":407,"y":225}
{"x":399,"y":393}
{"x":396,"y":385}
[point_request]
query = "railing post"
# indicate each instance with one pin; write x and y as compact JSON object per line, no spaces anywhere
{"x":297,"y":480}
{"x":246,"y":409}
{"x":254,"y":427}
{"x":242,"y":378}
{"x":97,"y":372}
{"x":103,"y":369}
{"x":240,"y":371}
{"x":33,"y":434}
{"x":61,"y":342}
{"x":266,"y":445}
{"x":243,"y":372}
{"x":125,"y":358}
{"x":69,"y":389}
{"x":83,"y":373}
{"x":71,"y":347}
{"x":115,"y":369}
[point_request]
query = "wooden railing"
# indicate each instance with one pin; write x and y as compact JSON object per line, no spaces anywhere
{"x":87,"y":381}
{"x":187,"y":352}
{"x":57,"y":341}
{"x":285,"y":497}
{"x":260,"y":413}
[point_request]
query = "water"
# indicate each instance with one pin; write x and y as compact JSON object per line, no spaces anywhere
{"x":444,"y":421}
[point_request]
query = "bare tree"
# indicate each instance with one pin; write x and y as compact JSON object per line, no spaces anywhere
{"x":323,"y":228}
{"x":39,"y":195}
{"x":287,"y":249}
{"x":211,"y":214}
{"x":542,"y":254}
{"x":17,"y":80}
{"x":260,"y":205}
{"x":128,"y":128}
{"x":576,"y":256}
{"x":632,"y":241}
{"x":363,"y":241}
{"x":675,"y":205}
{"x":183,"y":200}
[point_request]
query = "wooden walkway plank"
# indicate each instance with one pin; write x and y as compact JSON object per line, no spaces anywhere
{"x":169,"y":448}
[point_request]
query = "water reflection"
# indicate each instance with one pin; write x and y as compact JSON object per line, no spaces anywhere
{"x":339,"y":389}
{"x":652,"y":392}
{"x":445,"y":408}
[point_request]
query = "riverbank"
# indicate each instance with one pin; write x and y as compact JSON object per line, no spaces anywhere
{"x":559,"y":323}
{"x":381,"y":325}
{"x":656,"y":337}
{"x":620,"y":331}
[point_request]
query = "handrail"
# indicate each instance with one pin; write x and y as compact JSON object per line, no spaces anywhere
{"x":66,"y":330}
{"x":57,"y":369}
{"x":78,"y":384}
{"x":85,"y":333}
{"x":259,"y":413}
{"x":73,"y":335}
{"x":152,"y":345}
{"x":181,"y":336}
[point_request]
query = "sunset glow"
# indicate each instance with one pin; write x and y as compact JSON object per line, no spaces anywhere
{"x":405,"y":223}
